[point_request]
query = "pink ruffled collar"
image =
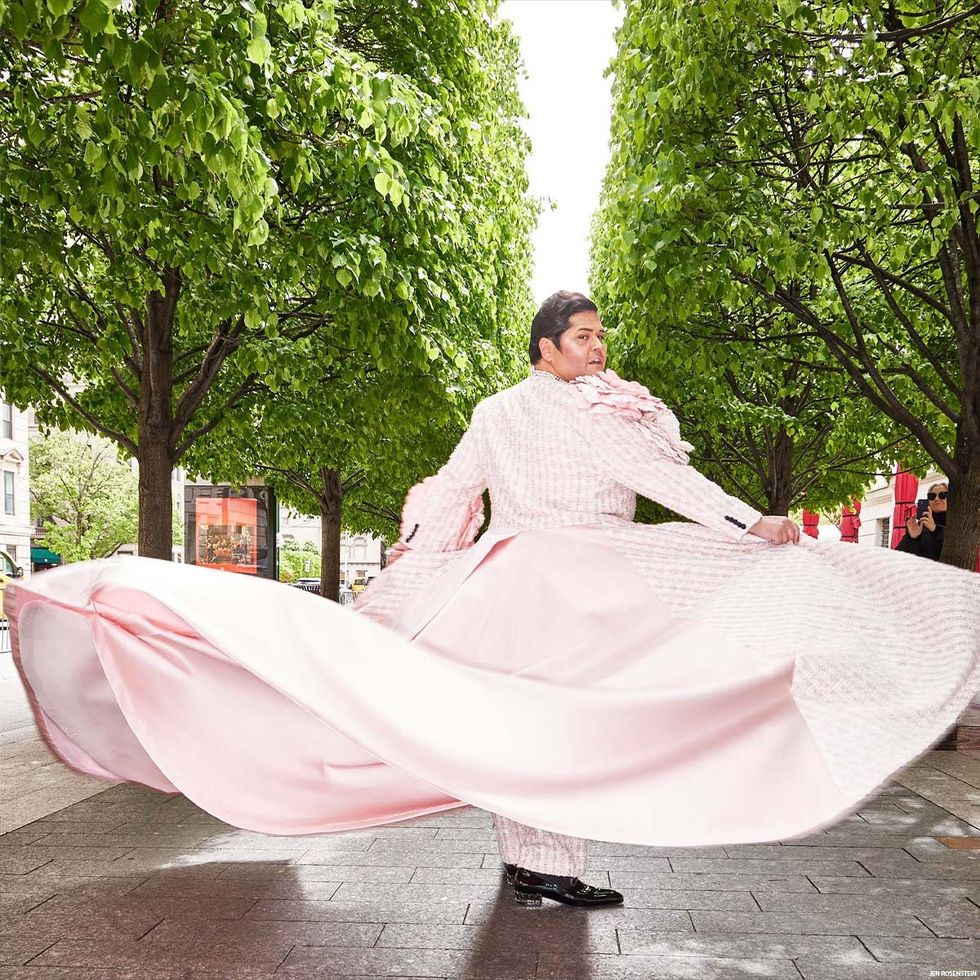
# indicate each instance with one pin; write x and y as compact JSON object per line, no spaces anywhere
{"x":607,"y":393}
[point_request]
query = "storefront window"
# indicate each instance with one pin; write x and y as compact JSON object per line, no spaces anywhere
{"x":231,"y":530}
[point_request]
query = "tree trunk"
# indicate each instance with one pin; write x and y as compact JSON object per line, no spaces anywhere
{"x":156,"y":422}
{"x":961,"y":542}
{"x":780,"y":489}
{"x":156,"y":533}
{"x":331,"y":500}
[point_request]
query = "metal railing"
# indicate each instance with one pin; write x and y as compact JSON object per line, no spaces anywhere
{"x":4,"y":636}
{"x":346,"y":598}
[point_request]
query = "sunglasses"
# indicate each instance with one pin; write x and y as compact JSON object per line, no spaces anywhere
{"x":942,"y":495}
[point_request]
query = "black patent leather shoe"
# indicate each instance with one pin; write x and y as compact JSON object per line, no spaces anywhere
{"x":511,"y":871}
{"x":530,"y":887}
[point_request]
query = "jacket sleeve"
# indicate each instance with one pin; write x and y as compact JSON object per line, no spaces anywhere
{"x":444,"y":512}
{"x":628,"y":450}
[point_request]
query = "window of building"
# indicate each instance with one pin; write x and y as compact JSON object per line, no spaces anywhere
{"x":6,"y":421}
{"x":360,"y":549}
{"x":8,"y":492}
{"x":884,"y":533}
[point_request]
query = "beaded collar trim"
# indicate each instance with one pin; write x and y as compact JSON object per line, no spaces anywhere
{"x":547,"y":374}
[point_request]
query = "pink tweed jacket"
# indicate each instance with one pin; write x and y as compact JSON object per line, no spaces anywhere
{"x":554,"y":453}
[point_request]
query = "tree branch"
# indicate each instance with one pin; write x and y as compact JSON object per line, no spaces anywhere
{"x":92,"y":420}
{"x":234,"y":399}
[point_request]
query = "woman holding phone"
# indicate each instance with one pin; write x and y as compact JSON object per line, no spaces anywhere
{"x":927,"y":527}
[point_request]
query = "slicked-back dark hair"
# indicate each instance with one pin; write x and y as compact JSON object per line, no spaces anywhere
{"x":552,"y":318}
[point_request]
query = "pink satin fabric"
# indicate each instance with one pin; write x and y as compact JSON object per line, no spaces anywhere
{"x":554,"y":687}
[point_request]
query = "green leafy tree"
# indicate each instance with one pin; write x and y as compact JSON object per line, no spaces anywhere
{"x":296,"y":562}
{"x":192,"y":194}
{"x":821,"y":159}
{"x":84,"y":495}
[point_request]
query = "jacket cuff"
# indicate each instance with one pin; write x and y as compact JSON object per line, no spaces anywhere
{"x":738,"y":520}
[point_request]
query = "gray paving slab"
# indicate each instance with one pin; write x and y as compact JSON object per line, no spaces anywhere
{"x":530,"y":935}
{"x":16,"y":950}
{"x":846,"y":903}
{"x":174,"y":935}
{"x":141,"y":972}
{"x":452,"y":912}
{"x":32,"y":890}
{"x":941,"y":954}
{"x":879,"y":922}
{"x":213,"y":908}
{"x":558,"y":966}
{"x":818,"y":968}
{"x":817,"y":866}
{"x":363,"y":892}
{"x":902,"y":865}
{"x":185,"y":838}
{"x":939,"y":888}
{"x":231,"y":876}
{"x":698,"y":881}
{"x":492,"y":874}
{"x":14,"y":863}
{"x":839,"y":949}
{"x":502,"y":913}
{"x":343,"y":964}
{"x":959,"y":921}
{"x":677,"y":898}
{"x":63,"y":854}
{"x":484,"y":836}
{"x":103,"y":954}
{"x":81,"y":924}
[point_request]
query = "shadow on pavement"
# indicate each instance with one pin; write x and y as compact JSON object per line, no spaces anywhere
{"x":511,"y":930}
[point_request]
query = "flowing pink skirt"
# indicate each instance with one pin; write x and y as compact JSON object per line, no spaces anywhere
{"x":551,"y":684}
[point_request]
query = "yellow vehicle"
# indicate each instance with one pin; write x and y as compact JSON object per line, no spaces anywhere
{"x":9,"y":569}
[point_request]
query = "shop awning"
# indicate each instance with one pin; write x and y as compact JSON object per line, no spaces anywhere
{"x":44,"y":556}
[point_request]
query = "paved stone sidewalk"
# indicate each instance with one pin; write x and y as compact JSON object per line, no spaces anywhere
{"x":131,"y":883}
{"x":127,"y":882}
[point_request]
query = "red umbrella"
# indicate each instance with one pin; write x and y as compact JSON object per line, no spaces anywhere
{"x":810,"y":521}
{"x":850,"y":522}
{"x":906,"y":491}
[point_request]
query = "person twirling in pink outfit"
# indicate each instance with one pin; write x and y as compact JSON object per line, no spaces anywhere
{"x":578,"y":675}
{"x":568,"y":343}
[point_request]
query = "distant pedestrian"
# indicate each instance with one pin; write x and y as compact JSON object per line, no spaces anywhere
{"x":924,"y":535}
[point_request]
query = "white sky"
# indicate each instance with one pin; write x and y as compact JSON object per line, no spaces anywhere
{"x":567,"y":46}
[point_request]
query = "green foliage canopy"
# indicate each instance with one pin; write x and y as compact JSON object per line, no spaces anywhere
{"x":820,"y":159}
{"x":84,"y":495}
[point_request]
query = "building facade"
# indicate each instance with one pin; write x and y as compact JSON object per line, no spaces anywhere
{"x":16,"y":530}
{"x":360,"y":554}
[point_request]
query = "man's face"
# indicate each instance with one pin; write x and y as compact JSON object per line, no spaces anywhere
{"x":583,"y":348}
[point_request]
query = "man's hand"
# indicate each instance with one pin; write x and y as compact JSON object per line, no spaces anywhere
{"x":776,"y":530}
{"x":396,"y":551}
{"x":913,"y":527}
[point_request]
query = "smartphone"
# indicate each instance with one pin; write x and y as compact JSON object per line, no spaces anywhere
{"x":921,"y":506}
